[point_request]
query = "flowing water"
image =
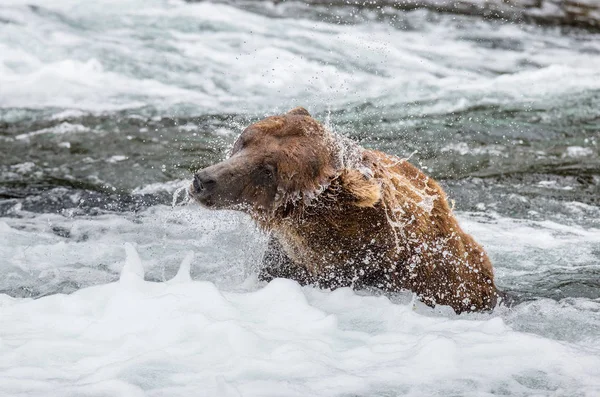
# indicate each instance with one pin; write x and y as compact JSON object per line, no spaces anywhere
{"x":107,"y":107}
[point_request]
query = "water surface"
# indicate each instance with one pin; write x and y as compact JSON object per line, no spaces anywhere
{"x":107,"y":107}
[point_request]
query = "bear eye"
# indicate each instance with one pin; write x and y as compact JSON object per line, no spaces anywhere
{"x":268,"y":171}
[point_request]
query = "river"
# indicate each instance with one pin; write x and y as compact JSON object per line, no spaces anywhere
{"x":107,"y":107}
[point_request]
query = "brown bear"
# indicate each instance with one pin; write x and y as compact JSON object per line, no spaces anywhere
{"x":341,"y":215}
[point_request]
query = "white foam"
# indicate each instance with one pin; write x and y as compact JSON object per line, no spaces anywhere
{"x":116,"y":158}
{"x":23,"y":168}
{"x":133,"y":268}
{"x":527,"y":234}
{"x":62,"y":128}
{"x":177,"y":339}
{"x":183,"y":274}
{"x":578,"y":151}
{"x":273,"y":63}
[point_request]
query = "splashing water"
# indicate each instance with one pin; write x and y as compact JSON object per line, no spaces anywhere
{"x":186,"y":197}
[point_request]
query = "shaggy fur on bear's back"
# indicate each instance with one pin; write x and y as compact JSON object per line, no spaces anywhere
{"x":341,"y":215}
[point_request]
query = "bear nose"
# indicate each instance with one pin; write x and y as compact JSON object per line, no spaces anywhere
{"x":203,"y":182}
{"x":197,"y":184}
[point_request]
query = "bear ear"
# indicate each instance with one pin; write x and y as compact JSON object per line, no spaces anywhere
{"x":364,"y":189}
{"x":299,"y":111}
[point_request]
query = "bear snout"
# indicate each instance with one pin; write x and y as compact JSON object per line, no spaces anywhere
{"x":202,"y":188}
{"x":203,"y":183}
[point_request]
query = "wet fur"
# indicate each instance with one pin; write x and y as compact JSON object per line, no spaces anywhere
{"x":347,"y":216}
{"x":374,"y":231}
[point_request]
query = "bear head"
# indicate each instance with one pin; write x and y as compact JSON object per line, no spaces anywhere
{"x":280,"y":161}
